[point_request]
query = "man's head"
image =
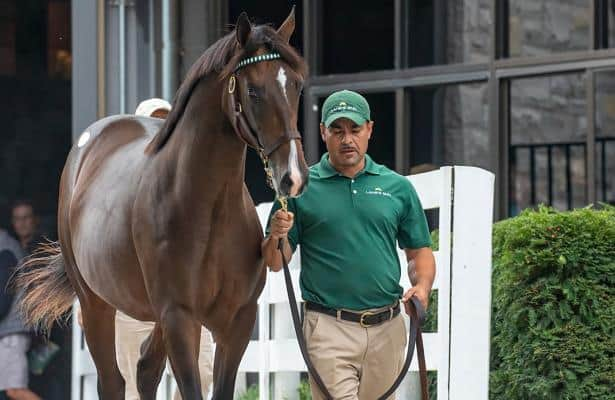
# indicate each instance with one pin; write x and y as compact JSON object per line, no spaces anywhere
{"x":25,"y":222}
{"x":154,"y":107}
{"x":346,"y":128}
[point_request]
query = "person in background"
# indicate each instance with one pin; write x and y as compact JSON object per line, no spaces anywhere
{"x":130,"y":333}
{"x":14,"y":336}
{"x":25,"y":225}
{"x":49,"y":355}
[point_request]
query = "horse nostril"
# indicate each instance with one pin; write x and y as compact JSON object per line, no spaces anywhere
{"x":286,"y":183}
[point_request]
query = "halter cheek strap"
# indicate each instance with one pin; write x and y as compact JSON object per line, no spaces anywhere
{"x":238,"y":119}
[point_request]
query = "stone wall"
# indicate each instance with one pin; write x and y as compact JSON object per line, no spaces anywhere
{"x":547,"y":109}
{"x":538,"y":27}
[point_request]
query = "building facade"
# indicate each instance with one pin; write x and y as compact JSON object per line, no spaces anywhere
{"x":522,"y":88}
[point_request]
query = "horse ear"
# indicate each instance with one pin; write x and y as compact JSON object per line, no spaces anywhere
{"x":243,"y":27}
{"x":288,"y":26}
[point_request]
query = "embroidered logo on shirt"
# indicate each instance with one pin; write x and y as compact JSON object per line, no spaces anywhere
{"x":378,"y":192}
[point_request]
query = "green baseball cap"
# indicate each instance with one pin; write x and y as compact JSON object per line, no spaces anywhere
{"x":345,"y":104}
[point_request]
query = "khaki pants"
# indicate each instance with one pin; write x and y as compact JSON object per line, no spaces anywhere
{"x":130,"y":333}
{"x":354,"y":362}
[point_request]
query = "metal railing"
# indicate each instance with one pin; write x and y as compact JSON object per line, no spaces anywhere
{"x":602,"y":145}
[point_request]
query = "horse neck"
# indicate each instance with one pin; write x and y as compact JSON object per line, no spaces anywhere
{"x":204,"y":146}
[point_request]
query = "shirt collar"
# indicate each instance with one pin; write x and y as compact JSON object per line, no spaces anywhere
{"x":326,"y":170}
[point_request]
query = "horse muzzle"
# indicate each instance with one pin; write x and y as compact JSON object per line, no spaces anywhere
{"x":292,"y":184}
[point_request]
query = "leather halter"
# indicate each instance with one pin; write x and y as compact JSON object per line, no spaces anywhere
{"x":241,"y":124}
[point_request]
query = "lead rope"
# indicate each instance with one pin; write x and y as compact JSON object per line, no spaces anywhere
{"x":417,"y":315}
{"x":295,"y":313}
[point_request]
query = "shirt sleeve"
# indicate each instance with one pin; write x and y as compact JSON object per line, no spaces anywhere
{"x":293,"y":234}
{"x":413,"y":231}
{"x":7,"y":264}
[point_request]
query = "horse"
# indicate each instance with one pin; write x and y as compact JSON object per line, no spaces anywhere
{"x":155,"y":220}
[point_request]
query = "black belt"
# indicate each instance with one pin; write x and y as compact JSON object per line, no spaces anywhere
{"x":366,"y":319}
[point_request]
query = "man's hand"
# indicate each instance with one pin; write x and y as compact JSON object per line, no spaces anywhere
{"x":281,"y":223}
{"x":421,"y":292}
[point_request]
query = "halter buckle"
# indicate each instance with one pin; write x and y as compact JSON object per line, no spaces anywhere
{"x":231,"y":84}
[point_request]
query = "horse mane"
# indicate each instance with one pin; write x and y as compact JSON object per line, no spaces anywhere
{"x":222,"y":58}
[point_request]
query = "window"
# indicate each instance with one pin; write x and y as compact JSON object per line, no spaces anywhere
{"x":605,"y":23}
{"x":547,"y":137}
{"x":450,"y":125}
{"x":357,"y":35}
{"x":538,"y":27}
{"x":448,"y":32}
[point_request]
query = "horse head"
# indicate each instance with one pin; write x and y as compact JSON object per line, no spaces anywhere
{"x":261,"y":99}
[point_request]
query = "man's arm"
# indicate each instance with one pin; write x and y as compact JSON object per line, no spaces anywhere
{"x":281,"y":223}
{"x":422,"y":272}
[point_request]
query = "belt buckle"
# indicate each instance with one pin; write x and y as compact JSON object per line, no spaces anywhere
{"x":363,"y":315}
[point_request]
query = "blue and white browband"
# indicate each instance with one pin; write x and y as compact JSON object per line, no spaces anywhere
{"x":256,"y":59}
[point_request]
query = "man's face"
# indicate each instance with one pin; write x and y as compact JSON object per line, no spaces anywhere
{"x":346,"y":141}
{"x":24,"y":221}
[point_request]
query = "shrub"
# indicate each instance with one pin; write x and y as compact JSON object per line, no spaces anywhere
{"x":304,"y":390}
{"x":250,"y":394}
{"x":554,"y":305}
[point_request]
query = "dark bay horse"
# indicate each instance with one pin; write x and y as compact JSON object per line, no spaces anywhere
{"x":155,"y":219}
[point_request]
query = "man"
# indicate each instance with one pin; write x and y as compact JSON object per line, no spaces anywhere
{"x":130,"y":333}
{"x":347,"y":223}
{"x":14,"y":336}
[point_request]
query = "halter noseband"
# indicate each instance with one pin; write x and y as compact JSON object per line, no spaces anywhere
{"x":241,"y":125}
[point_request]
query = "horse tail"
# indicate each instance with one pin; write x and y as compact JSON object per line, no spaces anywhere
{"x":44,"y":289}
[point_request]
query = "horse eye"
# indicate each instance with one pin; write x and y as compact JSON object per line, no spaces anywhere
{"x":252,"y":92}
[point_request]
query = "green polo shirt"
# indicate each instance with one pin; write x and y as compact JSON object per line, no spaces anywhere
{"x":347,"y":229}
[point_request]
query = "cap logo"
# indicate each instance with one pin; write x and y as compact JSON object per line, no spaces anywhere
{"x":342,"y":107}
{"x":342,"y":104}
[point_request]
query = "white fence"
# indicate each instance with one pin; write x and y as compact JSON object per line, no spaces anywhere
{"x":458,"y":351}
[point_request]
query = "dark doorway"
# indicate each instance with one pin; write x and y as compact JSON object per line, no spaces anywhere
{"x":35,"y":82}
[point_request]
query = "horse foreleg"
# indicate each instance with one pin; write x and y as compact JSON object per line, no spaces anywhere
{"x":99,"y":328}
{"x":151,"y":364}
{"x":229,"y":351}
{"x":182,"y":335}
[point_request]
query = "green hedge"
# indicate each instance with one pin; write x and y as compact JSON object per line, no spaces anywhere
{"x":553,"y":322}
